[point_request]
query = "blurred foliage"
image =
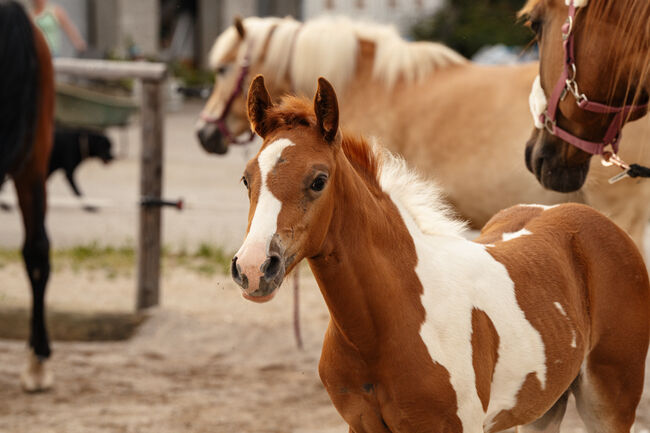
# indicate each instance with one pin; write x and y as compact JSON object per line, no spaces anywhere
{"x":190,"y":76}
{"x":467,"y":25}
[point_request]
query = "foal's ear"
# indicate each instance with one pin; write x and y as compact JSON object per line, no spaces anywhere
{"x":239,"y":26}
{"x":258,"y":102}
{"x":326,"y":108}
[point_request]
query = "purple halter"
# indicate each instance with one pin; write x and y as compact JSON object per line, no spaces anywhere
{"x":220,"y":121}
{"x":567,"y":84}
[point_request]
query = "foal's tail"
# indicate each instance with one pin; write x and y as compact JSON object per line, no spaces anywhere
{"x":18,"y":84}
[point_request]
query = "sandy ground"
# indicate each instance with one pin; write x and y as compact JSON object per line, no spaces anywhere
{"x":206,"y":360}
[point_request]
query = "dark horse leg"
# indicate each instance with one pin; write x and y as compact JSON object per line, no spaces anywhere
{"x":32,"y":199}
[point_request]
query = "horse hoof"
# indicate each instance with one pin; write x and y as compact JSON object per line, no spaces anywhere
{"x":36,"y":377}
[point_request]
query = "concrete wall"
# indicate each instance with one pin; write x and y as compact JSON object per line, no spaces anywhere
{"x":139,"y":20}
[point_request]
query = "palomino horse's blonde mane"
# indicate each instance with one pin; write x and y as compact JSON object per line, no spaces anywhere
{"x":328,"y":46}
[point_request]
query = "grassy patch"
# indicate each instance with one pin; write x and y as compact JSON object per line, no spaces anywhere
{"x":121,"y":261}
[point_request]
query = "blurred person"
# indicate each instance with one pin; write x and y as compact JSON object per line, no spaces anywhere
{"x":51,"y":19}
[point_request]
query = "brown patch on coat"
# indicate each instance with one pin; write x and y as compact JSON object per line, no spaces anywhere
{"x":485,"y":353}
{"x":575,"y":256}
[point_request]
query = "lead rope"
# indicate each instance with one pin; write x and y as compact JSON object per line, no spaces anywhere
{"x":629,"y":170}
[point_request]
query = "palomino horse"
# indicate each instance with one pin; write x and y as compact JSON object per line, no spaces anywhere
{"x":462,"y":122}
{"x":26,"y":131}
{"x":430,"y":332}
{"x":596,"y":50}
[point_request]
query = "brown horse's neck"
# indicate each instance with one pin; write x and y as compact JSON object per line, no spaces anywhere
{"x":366,"y":266}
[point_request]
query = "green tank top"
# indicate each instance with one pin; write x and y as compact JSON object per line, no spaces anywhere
{"x":49,"y":25}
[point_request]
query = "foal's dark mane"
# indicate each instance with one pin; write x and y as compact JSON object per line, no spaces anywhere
{"x":294,"y":112}
{"x":19,"y":84}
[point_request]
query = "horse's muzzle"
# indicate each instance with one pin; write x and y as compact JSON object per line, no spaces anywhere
{"x":546,"y":158}
{"x":211,"y":139}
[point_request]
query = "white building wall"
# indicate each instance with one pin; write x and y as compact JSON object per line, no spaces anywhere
{"x":232,"y":8}
{"x":139,"y":20}
{"x":401,"y":13}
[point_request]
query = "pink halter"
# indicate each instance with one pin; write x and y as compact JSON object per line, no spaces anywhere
{"x":567,"y":84}
{"x":221,"y":120}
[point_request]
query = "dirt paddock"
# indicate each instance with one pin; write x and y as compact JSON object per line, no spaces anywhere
{"x":205,"y":361}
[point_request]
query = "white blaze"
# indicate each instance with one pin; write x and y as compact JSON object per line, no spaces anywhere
{"x":253,"y":251}
{"x":578,"y":3}
{"x":537,"y":101}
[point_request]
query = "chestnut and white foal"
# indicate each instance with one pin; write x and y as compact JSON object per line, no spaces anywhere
{"x":430,"y":332}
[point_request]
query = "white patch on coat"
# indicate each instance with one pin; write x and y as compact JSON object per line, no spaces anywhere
{"x":510,"y":236}
{"x":562,"y":311}
{"x":265,"y":220}
{"x":538,"y":102}
{"x":458,"y":276}
{"x":540,"y":206}
{"x":573,"y":339}
{"x":560,"y":308}
{"x":578,"y":3}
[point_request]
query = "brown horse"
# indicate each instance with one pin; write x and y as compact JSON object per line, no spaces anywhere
{"x":26,"y":131}
{"x":462,"y":122}
{"x":594,"y":77}
{"x":430,"y":332}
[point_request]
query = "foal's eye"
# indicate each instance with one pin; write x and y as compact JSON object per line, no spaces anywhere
{"x":244,"y":181}
{"x":222,"y":69}
{"x":319,"y":183}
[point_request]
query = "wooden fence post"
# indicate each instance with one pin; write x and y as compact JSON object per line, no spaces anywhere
{"x":152,"y":75}
{"x":149,"y":247}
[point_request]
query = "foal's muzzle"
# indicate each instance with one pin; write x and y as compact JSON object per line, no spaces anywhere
{"x":259,"y":275}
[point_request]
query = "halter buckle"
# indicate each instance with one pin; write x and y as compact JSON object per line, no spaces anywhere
{"x":549,"y":123}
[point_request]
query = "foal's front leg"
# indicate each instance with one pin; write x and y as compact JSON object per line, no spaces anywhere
{"x":36,"y":254}
{"x":350,"y":388}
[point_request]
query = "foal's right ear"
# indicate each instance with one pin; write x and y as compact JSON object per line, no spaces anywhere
{"x":326,"y":108}
{"x":258,"y":102}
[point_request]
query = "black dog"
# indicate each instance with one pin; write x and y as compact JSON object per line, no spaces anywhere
{"x":72,"y":146}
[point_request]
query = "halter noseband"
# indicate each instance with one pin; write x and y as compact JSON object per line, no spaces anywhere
{"x":221,"y":120}
{"x":567,"y":84}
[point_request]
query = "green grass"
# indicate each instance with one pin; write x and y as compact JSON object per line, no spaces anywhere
{"x":121,"y":261}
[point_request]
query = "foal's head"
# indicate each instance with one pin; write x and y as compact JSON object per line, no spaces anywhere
{"x":289,"y":186}
{"x":611,"y":41}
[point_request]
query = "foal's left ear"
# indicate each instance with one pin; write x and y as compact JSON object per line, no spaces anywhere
{"x":326,"y":108}
{"x":258,"y":102}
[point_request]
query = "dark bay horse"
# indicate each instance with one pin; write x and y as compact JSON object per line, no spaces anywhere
{"x":594,"y":77}
{"x":430,"y":332}
{"x":26,"y":131}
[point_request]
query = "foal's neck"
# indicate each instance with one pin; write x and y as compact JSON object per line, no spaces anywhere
{"x":366,"y":266}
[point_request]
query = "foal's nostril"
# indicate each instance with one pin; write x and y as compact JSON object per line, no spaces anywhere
{"x":271,"y":267}
{"x":235,"y":271}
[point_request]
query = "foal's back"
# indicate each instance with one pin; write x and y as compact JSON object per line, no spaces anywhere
{"x":576,"y":274}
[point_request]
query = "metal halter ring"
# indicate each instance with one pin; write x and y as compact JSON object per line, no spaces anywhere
{"x":569,"y":21}
{"x":549,"y":123}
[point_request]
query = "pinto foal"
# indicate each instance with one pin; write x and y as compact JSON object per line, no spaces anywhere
{"x":430,"y":332}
